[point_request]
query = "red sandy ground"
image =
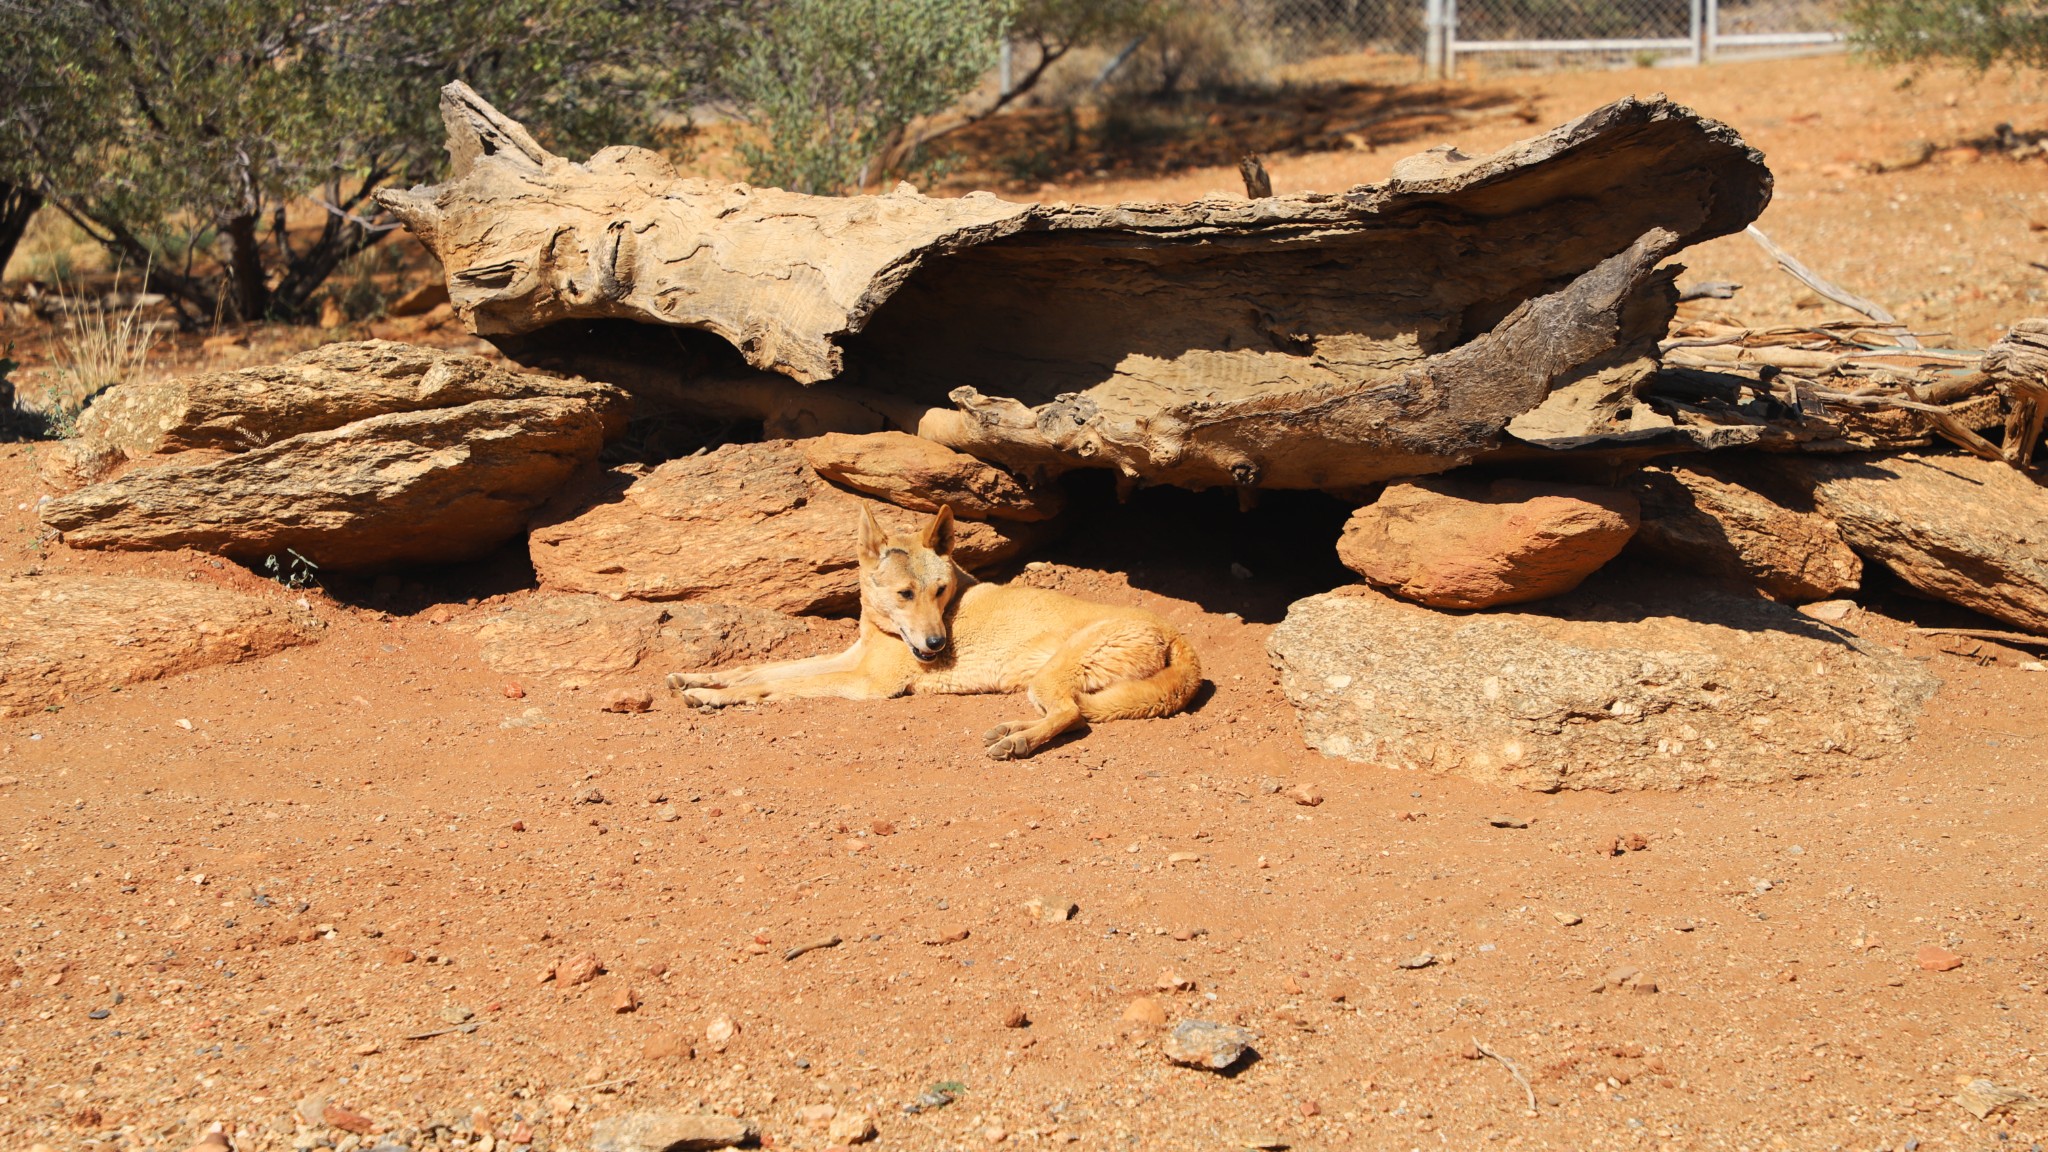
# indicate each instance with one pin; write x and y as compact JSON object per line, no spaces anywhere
{"x":348,"y":847}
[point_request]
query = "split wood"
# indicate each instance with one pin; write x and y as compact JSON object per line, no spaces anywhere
{"x":469,"y":1027}
{"x":2019,"y":638}
{"x":813,"y":946}
{"x":1813,"y":280}
{"x":1512,"y":1071}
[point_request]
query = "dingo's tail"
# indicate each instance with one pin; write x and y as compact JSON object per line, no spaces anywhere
{"x":1161,"y":694}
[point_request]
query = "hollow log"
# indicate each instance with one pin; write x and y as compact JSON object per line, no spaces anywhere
{"x":1304,"y":341}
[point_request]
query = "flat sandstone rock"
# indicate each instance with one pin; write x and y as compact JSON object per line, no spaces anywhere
{"x":581,"y":640}
{"x":745,"y":524}
{"x":918,"y":474}
{"x":423,"y":487}
{"x":65,"y":637}
{"x":1710,"y":520}
{"x":1613,"y":687}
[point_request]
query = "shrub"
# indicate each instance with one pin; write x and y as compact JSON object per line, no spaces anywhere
{"x":1979,"y":32}
{"x":158,"y":125}
{"x":833,"y":83}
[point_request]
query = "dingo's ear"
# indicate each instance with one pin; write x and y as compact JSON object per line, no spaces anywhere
{"x":938,"y":535}
{"x":871,"y":536}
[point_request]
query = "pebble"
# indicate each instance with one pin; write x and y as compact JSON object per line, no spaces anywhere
{"x":1507,"y":822}
{"x":1046,"y":910}
{"x":1932,"y":959}
{"x":630,"y":700}
{"x":590,"y":795}
{"x":626,"y":1001}
{"x":513,"y":691}
{"x":1307,"y":795}
{"x":578,"y":969}
{"x":721,"y":1030}
{"x":667,"y":814}
{"x":1980,"y":1098}
{"x":994,"y":1134}
{"x":1016,"y":1018}
{"x":851,"y":1128}
{"x":816,"y":1115}
{"x":1174,"y":982}
{"x":1627,"y":979}
{"x":456,"y":1013}
{"x":347,"y":1120}
{"x":1145,"y":1010}
{"x":670,"y":1130}
{"x":1568,"y":919}
{"x":1263,"y":1141}
{"x":1684,"y":926}
{"x":668,"y":1046}
{"x":313,"y":1109}
{"x":1206,"y":1045}
{"x":1419,"y":960}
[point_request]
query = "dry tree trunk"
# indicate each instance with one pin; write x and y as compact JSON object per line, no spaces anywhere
{"x":1319,"y":340}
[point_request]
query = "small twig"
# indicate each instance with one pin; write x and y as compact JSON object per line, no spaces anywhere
{"x":813,"y":946}
{"x":2018,"y":638}
{"x":619,"y":1083}
{"x":1512,"y":1070}
{"x":1813,"y":280}
{"x":469,"y":1027}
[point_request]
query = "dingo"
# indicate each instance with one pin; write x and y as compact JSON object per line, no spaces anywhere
{"x":927,"y":626}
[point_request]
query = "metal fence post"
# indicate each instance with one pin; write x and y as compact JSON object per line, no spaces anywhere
{"x":1433,"y":39}
{"x":1698,"y":20}
{"x":1713,"y":28}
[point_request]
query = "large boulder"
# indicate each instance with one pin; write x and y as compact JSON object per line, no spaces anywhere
{"x":579,"y":640}
{"x":1698,"y":515}
{"x":422,"y":487}
{"x":918,"y":474}
{"x":63,"y":638}
{"x":745,"y":524}
{"x":1455,"y":544}
{"x":1969,"y":531}
{"x":1613,"y":687}
{"x":315,"y":391}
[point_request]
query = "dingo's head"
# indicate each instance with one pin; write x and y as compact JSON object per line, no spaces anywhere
{"x":908,"y":582}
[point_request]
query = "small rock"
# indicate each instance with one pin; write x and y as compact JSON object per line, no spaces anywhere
{"x":626,"y":1001}
{"x":816,"y":1115}
{"x":1045,"y":910}
{"x":456,"y":1014}
{"x":1568,"y":919}
{"x":1307,"y":795}
{"x":994,"y":1134}
{"x":589,"y":795}
{"x":1419,"y":960}
{"x":1684,"y":926}
{"x":667,"y":814}
{"x":578,"y":969}
{"x":1980,"y":1098}
{"x":851,"y":1128}
{"x":1016,"y":1018}
{"x":1626,"y":979}
{"x":346,"y":1120}
{"x":670,"y":1130}
{"x":1201,"y":1044}
{"x":1829,"y":611}
{"x":668,"y":1046}
{"x":1174,"y":982}
{"x":1145,"y":1010}
{"x":630,"y":700}
{"x":721,"y":1030}
{"x":1262,"y":1141}
{"x":1933,"y":959}
{"x":398,"y":955}
{"x":313,"y":1109}
{"x":1507,"y":822}
{"x":513,"y":691}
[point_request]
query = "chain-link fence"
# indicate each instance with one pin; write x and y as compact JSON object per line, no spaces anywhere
{"x":1552,"y":31}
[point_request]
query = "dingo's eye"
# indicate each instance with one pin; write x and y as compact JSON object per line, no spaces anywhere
{"x":907,"y":594}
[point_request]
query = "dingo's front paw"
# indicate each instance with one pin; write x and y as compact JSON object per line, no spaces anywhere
{"x":996,"y":733}
{"x":679,"y":680}
{"x":706,"y":698}
{"x":1014,"y":746}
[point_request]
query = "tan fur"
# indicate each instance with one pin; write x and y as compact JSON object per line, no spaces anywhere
{"x":1076,"y":661}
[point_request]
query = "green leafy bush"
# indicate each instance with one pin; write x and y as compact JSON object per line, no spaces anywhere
{"x":1979,"y":32}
